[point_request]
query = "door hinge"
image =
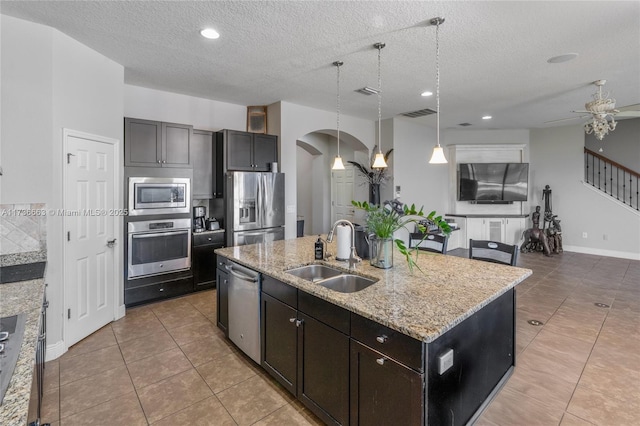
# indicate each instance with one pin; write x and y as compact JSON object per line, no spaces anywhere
{"x":68,"y":235}
{"x":69,"y":313}
{"x":69,"y":155}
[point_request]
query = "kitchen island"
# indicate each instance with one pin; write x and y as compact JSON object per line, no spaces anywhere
{"x":443,"y":336}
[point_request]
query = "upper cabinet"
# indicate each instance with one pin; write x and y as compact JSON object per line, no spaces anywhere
{"x":203,"y":154}
{"x":249,"y":152}
{"x":156,"y":144}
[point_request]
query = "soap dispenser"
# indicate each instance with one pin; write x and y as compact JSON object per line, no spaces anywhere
{"x":319,"y":249}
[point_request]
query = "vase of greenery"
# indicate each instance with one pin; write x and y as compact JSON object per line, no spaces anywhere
{"x":383,"y":220}
{"x":374,"y":177}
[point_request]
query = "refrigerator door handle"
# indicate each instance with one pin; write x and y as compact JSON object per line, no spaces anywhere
{"x":261,"y":201}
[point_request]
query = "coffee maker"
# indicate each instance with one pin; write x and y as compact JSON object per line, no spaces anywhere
{"x":199,"y":222}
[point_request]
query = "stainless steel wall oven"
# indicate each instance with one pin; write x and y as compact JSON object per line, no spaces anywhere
{"x":159,"y":195}
{"x":158,"y":247}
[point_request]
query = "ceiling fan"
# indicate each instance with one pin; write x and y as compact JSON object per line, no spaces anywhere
{"x":601,"y":108}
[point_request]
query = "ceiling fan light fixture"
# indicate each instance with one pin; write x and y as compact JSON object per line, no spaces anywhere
{"x":602,"y":110}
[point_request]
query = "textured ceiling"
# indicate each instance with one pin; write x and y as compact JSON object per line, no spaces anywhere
{"x":493,"y":54}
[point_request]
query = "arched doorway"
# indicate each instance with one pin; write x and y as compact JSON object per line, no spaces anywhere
{"x":319,"y":189}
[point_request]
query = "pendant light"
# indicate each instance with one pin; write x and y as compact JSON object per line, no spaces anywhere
{"x":337,"y":163}
{"x":438,"y":154}
{"x":378,"y":162}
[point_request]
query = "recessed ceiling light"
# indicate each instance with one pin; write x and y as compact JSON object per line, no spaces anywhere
{"x":562,"y":58}
{"x":486,"y":117}
{"x":209,"y":33}
{"x":427,"y":93}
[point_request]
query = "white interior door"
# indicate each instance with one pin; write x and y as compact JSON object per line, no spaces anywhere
{"x":90,"y":223}
{"x":342,"y":182}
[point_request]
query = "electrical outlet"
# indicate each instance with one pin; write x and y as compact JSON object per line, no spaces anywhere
{"x":605,"y":237}
{"x":584,"y":235}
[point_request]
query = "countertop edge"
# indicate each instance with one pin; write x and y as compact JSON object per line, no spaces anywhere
{"x":22,"y":297}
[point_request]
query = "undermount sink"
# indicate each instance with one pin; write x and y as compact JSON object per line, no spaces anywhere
{"x":347,"y":283}
{"x":331,"y":278}
{"x":314,"y":272}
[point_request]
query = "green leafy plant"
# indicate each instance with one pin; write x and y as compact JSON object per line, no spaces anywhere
{"x":382,"y":221}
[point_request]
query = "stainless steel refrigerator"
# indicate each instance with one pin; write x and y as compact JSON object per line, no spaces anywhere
{"x":254,"y":207}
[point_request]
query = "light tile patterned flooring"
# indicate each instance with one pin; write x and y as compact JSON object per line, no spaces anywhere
{"x":167,"y":363}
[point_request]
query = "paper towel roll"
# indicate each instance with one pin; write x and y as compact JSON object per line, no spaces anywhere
{"x":343,"y":242}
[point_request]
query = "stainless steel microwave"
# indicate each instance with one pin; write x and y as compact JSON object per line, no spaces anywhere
{"x":153,"y":195}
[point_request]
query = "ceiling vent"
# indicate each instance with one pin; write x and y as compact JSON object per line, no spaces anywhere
{"x":464,"y":124}
{"x":368,"y":91}
{"x":419,"y":113}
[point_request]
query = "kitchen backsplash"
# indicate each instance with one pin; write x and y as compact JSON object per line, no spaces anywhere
{"x":23,"y":233}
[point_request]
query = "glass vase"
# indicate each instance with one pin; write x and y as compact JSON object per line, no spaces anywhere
{"x":381,"y":252}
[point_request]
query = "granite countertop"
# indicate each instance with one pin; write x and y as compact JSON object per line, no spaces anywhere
{"x":423,"y":305}
{"x":15,"y":298}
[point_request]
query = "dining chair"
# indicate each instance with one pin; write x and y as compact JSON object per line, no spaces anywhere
{"x":435,"y":243}
{"x":492,"y":251}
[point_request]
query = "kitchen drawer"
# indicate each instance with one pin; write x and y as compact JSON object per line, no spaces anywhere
{"x":202,"y":238}
{"x":394,"y":344}
{"x":136,"y":295}
{"x":328,"y":313}
{"x":281,"y":291}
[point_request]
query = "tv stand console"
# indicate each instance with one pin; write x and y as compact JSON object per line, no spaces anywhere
{"x":506,"y":228}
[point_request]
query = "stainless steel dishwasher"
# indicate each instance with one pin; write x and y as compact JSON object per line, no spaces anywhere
{"x":244,"y":309}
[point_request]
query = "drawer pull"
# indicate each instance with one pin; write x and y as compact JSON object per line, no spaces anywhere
{"x":380,"y":361}
{"x":292,"y":320}
{"x":381,"y":339}
{"x":299,"y":323}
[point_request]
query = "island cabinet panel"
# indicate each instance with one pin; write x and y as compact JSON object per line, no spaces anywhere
{"x":383,"y":391}
{"x":328,"y":313}
{"x":483,"y":348}
{"x":279,"y":341}
{"x":222,"y":296}
{"x":323,"y":370}
{"x":279,"y":290}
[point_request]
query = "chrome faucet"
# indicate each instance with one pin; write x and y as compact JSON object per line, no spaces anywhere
{"x":353,"y":256}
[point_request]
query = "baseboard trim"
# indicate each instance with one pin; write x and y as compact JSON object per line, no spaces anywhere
{"x":55,"y":350}
{"x":121,"y":312}
{"x":600,"y":252}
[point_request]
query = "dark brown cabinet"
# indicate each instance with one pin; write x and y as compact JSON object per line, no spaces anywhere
{"x":204,"y":259}
{"x":304,"y":352}
{"x":202,"y":147}
{"x":156,"y":144}
{"x":222,"y":296}
{"x":383,"y":391}
{"x":248,"y":152}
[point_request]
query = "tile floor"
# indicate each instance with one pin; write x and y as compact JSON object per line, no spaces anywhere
{"x":167,"y":363}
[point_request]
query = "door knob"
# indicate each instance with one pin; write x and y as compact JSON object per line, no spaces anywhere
{"x":111,"y":243}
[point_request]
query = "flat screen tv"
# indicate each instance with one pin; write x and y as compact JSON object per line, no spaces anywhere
{"x":493,"y":182}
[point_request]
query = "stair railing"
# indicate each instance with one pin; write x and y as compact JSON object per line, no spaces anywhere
{"x":612,"y":178}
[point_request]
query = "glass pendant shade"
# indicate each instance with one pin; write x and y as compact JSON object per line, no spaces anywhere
{"x":438,"y":156}
{"x":378,"y":162}
{"x":337,"y":163}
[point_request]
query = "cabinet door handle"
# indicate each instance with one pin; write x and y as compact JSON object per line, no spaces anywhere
{"x":158,"y":161}
{"x":381,"y":339}
{"x":380,"y":361}
{"x":299,"y":323}
{"x":292,"y":320}
{"x":164,"y":161}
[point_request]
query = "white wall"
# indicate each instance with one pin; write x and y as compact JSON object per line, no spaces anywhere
{"x":51,"y":82}
{"x":202,"y":114}
{"x":297,"y":121}
{"x":557,"y":160}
